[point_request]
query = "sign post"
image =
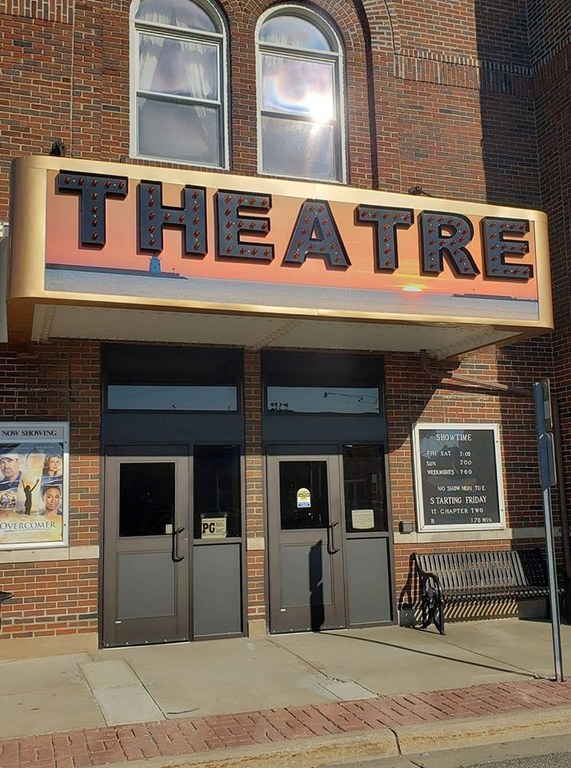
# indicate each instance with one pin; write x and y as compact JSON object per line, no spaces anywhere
{"x":544,"y":425}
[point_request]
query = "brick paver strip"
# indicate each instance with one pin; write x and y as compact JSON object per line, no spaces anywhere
{"x":124,"y":743}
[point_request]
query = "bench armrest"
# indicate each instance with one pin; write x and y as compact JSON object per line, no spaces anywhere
{"x":428,"y":578}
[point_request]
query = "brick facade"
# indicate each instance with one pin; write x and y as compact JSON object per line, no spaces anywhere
{"x":551,"y":49}
{"x":58,"y":382}
{"x":469,"y":104}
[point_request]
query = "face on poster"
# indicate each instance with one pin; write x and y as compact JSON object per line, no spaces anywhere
{"x":33,"y":484}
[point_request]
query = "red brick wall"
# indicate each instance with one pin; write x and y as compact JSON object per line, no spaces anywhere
{"x":549,"y":30}
{"x":551,"y":39}
{"x":255,"y":528}
{"x":485,"y":30}
{"x":58,"y":381}
{"x":448,"y":91}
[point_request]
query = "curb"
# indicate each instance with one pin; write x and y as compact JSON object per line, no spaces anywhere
{"x":301,"y":753}
{"x":381,"y":743}
{"x":487,"y":729}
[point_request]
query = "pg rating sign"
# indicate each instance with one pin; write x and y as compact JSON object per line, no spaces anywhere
{"x":458,"y":478}
{"x":213,"y":527}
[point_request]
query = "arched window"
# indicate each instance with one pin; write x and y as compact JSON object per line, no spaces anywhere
{"x":179,"y":82}
{"x":300,"y":96}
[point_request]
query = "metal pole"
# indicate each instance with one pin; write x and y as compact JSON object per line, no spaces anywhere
{"x":544,"y":423}
{"x":553,"y":592}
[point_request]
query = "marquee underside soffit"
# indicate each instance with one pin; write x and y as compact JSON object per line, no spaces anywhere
{"x":53,"y":321}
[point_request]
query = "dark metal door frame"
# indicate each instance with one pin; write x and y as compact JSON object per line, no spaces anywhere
{"x":172,"y":549}
{"x":367,"y":558}
{"x":326,"y":601}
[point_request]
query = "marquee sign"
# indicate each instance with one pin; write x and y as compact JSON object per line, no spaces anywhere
{"x":184,"y":238}
{"x":243,"y":229}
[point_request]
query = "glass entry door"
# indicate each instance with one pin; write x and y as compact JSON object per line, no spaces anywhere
{"x":146,"y":574}
{"x":305,"y":534}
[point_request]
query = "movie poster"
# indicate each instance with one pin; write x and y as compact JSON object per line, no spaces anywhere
{"x":33,"y":485}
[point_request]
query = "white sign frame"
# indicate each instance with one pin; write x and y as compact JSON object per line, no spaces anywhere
{"x":30,"y":441}
{"x":418,"y":456}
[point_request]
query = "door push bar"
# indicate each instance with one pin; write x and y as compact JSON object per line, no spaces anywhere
{"x":175,"y":556}
{"x":331,"y":549}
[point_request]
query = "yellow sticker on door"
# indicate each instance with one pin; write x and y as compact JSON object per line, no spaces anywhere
{"x":303,"y":498}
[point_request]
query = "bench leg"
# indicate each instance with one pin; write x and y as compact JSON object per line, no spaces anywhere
{"x":439,"y":616}
{"x":432,"y":610}
{"x":426,"y":611}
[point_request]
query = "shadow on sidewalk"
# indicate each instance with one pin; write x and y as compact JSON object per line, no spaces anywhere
{"x":511,"y":668}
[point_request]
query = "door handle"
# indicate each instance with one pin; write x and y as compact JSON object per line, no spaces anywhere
{"x":175,"y":556}
{"x":331,"y":549}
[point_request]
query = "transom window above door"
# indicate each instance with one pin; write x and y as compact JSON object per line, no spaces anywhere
{"x":179,"y":88}
{"x":300,"y":97}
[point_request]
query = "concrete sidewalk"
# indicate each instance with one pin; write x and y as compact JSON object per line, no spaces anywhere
{"x":288,"y":698}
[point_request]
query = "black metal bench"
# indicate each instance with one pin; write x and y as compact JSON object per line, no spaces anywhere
{"x":467,"y":577}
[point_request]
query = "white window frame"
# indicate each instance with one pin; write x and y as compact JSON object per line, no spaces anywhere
{"x":220,"y":38}
{"x":336,"y":55}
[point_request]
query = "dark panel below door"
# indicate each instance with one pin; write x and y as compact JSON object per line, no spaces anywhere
{"x":217,"y":590}
{"x":369,"y":586}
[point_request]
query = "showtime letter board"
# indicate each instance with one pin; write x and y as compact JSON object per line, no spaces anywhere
{"x":458,"y":478}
